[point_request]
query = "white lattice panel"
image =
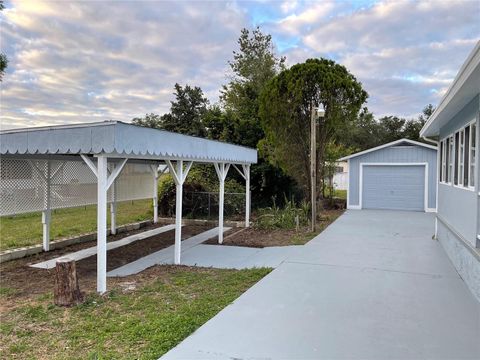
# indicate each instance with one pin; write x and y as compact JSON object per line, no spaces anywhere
{"x":23,"y":185}
{"x":134,"y":182}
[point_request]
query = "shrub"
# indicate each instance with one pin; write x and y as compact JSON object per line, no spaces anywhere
{"x":283,"y":218}
{"x":200,"y":181}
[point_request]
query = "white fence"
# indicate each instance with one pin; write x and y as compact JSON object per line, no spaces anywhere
{"x":24,"y":186}
{"x":340,"y":181}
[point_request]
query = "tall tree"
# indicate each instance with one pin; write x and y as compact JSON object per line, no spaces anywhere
{"x":219,"y":124}
{"x":285,"y":109}
{"x":252,"y":66}
{"x":150,"y":120}
{"x":413,"y":126}
{"x":186,"y":113}
{"x":367,"y":132}
{"x":363,"y":133}
{"x":391,"y":128}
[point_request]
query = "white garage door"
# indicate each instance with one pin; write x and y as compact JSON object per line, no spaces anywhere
{"x":393,"y":187}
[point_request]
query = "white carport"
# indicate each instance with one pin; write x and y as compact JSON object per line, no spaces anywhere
{"x":99,"y":163}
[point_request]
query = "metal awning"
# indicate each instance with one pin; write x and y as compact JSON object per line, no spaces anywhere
{"x":118,"y":139}
{"x":71,"y":165}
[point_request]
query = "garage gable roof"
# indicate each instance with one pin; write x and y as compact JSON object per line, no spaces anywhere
{"x":393,"y":143}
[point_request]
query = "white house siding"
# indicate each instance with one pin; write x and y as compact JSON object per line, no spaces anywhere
{"x":458,"y":206}
{"x":394,"y":154}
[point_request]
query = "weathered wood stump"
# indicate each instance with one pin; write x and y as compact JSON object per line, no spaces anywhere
{"x":67,"y":291}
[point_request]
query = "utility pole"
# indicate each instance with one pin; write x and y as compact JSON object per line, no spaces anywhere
{"x":313,"y":165}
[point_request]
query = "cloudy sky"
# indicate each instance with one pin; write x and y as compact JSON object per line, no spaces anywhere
{"x":91,"y":61}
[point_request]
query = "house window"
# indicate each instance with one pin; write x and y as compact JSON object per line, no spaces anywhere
{"x":460,"y":137}
{"x":450,"y":153}
{"x":466,"y":159}
{"x":473,"y":154}
{"x":457,"y":157}
{"x":442,"y":161}
{"x":455,"y":175}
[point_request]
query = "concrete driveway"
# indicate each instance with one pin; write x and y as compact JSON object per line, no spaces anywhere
{"x":373,"y":285}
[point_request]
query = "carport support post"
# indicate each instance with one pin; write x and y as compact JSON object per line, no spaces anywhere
{"x":155,"y":194}
{"x":222,"y":170}
{"x":156,"y":175}
{"x":102,"y":174}
{"x":246,"y":170}
{"x":47,"y":212}
{"x":221,"y":200}
{"x":178,"y":212}
{"x":179,"y":177}
{"x":113,"y":209}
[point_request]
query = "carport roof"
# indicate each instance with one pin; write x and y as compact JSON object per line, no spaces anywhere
{"x":393,"y":143}
{"x":118,"y":139}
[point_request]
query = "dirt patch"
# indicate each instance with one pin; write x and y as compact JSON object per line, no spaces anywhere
{"x":24,"y":281}
{"x":259,"y":238}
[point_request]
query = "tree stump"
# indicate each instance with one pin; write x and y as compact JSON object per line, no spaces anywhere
{"x":67,"y":291}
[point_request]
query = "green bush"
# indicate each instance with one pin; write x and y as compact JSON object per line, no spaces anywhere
{"x":283,"y":218}
{"x":201,"y":180}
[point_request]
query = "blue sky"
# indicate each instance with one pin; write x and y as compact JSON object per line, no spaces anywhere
{"x":92,"y":61}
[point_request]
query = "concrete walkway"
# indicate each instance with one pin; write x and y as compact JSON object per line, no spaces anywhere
{"x":237,"y":257}
{"x":373,"y":285}
{"x":194,"y":253}
{"x":85,"y":253}
{"x":164,"y":256}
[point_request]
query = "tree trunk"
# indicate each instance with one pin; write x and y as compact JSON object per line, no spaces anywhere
{"x":67,"y":291}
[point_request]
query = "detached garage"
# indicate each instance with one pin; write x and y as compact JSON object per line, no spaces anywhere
{"x":400,"y":175}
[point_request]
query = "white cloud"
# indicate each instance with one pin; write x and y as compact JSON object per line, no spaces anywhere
{"x":89,"y":61}
{"x":404,"y":52}
{"x":312,"y":14}
{"x":288,"y":5}
{"x":71,"y":62}
{"x":397,"y":23}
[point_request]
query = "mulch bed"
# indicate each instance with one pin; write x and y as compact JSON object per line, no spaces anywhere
{"x":259,"y":238}
{"x":27,"y":281}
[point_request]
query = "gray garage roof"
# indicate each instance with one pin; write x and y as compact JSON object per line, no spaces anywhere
{"x":119,"y":139}
{"x":393,"y":143}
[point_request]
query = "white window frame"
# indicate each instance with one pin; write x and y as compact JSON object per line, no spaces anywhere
{"x":443,"y":161}
{"x":451,"y":164}
{"x":472,"y":166}
{"x":451,"y":159}
{"x":461,"y":157}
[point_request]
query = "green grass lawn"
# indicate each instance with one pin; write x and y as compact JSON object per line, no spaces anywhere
{"x":26,"y":229}
{"x":341,"y":194}
{"x":140,"y":324}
